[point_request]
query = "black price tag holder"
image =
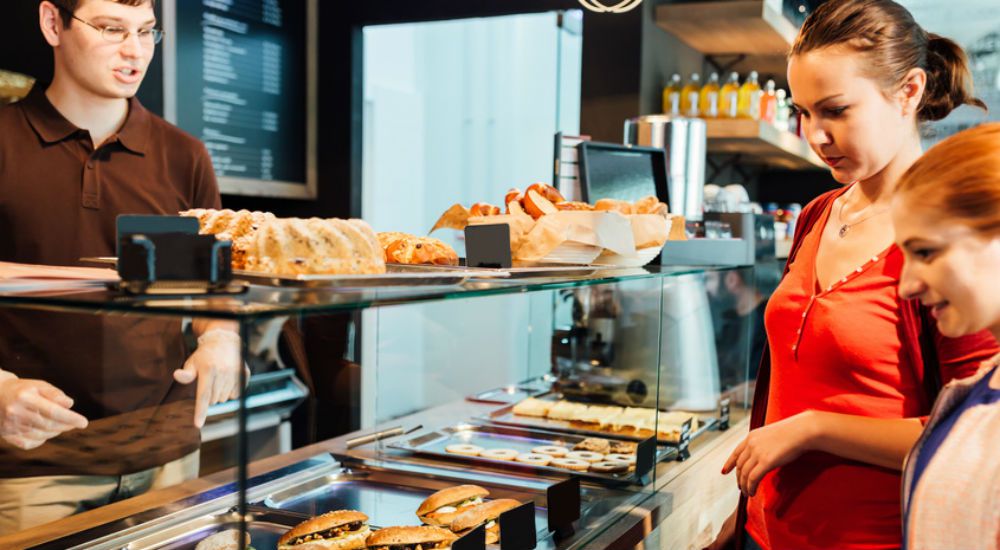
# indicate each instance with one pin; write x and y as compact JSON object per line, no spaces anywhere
{"x":724,"y":415}
{"x":165,"y":255}
{"x":563,"y":501}
{"x":473,"y":540}
{"x":645,"y":460}
{"x":488,"y":246}
{"x":517,"y":528}
{"x":683,"y":452}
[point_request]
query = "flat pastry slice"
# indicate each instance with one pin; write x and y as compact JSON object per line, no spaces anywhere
{"x":532,"y":407}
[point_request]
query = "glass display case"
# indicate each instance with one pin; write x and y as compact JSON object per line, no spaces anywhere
{"x":576,"y":394}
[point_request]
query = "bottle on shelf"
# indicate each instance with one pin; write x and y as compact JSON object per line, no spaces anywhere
{"x":784,"y":110}
{"x":748,"y":102}
{"x":708,"y":102}
{"x":672,"y":96}
{"x":729,"y":97}
{"x":769,"y":103}
{"x":689,"y":96}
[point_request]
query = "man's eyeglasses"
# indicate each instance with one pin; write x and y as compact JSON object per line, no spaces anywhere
{"x":117,"y":35}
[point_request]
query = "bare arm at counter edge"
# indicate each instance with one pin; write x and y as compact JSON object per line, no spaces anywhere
{"x":878,"y":441}
{"x":215,"y":365}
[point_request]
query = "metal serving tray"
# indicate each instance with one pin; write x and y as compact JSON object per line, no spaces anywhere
{"x":387,"y":498}
{"x":265,"y":528}
{"x":516,"y":272}
{"x":396,"y":275}
{"x":353,"y":281}
{"x":505,"y":416}
{"x":522,"y":440}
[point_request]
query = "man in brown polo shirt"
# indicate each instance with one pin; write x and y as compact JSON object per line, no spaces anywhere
{"x":95,"y":408}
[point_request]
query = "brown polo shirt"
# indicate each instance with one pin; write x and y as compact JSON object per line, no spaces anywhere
{"x":59,"y":199}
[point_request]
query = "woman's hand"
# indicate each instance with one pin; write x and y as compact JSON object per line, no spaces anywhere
{"x":770,"y":447}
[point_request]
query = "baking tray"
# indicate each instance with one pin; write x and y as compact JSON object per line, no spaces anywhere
{"x":387,"y":498}
{"x":505,"y":416}
{"x":265,"y":528}
{"x":433,"y":444}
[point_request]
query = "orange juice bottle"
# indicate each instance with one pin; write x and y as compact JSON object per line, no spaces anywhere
{"x":672,"y":96}
{"x":729,"y":97}
{"x":708,"y":102}
{"x":748,"y":105}
{"x":689,"y":96}
{"x":769,"y":103}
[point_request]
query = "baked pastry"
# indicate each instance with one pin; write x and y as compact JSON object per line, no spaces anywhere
{"x":295,"y":246}
{"x":574,"y":206}
{"x":598,"y":415}
{"x":464,"y":449}
{"x":534,"y":459}
{"x":340,"y":530}
{"x":566,"y":410}
{"x":623,"y":448}
{"x":411,"y":538}
{"x":554,"y":451}
{"x":238,"y":227}
{"x":484,"y":209}
{"x":403,"y":248}
{"x":500,"y":454}
{"x":588,"y":456}
{"x":574,"y":464}
{"x":613,"y":205}
{"x":224,"y":540}
{"x":594,"y":445}
{"x":532,"y":407}
{"x":441,"y":508}
{"x":487,"y":513}
{"x":650,"y":205}
{"x":550,"y":193}
{"x":609,"y":467}
{"x":629,"y":458}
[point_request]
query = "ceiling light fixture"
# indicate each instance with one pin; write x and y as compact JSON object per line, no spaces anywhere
{"x":621,"y":7}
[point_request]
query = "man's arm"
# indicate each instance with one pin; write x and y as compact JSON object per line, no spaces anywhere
{"x":215,"y":365}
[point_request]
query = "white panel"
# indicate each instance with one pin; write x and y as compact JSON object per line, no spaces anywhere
{"x":458,"y":111}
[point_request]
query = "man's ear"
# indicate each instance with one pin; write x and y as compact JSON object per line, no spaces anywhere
{"x":912,"y":90}
{"x":50,"y":21}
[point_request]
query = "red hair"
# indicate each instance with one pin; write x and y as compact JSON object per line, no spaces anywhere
{"x":960,"y":177}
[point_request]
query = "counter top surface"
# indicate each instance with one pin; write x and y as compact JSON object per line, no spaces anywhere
{"x":668,"y":474}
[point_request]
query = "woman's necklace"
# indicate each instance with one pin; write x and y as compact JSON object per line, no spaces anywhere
{"x":846,"y":226}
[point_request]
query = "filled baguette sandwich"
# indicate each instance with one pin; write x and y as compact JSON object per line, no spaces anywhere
{"x":441,"y":508}
{"x":340,"y":530}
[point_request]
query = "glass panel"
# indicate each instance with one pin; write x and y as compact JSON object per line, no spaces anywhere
{"x":101,"y":408}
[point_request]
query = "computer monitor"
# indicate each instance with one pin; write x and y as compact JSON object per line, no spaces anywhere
{"x":623,"y":172}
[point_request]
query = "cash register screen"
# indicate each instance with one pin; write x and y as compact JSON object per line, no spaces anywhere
{"x":611,"y":171}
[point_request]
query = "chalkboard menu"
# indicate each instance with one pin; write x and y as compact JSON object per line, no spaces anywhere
{"x":240,"y":83}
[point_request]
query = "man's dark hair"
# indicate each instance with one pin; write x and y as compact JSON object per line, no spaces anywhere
{"x":68,"y":7}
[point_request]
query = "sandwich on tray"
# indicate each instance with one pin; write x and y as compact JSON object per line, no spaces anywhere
{"x":411,"y":538}
{"x":441,"y":508}
{"x":340,"y":530}
{"x":486,"y":513}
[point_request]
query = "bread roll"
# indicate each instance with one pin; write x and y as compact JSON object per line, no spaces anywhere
{"x":296,"y":246}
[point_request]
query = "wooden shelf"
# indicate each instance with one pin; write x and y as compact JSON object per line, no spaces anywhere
{"x":729,"y":27}
{"x":760,"y":143}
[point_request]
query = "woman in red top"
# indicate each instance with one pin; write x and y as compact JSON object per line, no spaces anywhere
{"x":842,"y":390}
